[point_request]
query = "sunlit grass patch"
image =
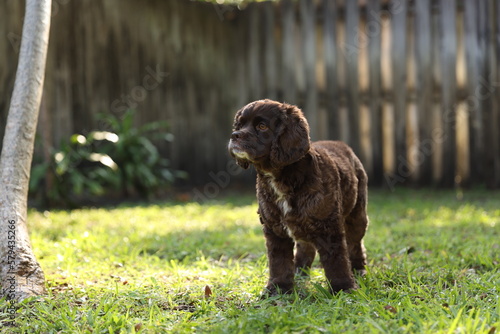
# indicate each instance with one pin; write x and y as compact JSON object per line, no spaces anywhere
{"x":190,"y":267}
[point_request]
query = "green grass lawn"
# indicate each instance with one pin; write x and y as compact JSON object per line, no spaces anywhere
{"x":182,"y":268}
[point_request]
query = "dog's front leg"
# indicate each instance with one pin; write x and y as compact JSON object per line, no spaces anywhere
{"x":280,"y":256}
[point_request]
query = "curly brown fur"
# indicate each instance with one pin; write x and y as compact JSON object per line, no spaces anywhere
{"x":311,"y":195}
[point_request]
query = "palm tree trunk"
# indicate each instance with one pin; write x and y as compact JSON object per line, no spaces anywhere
{"x":20,"y":273}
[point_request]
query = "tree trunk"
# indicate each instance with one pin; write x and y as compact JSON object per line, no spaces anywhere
{"x":20,"y":273}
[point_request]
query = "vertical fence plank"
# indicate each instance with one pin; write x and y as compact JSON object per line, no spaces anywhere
{"x":241,"y":66}
{"x":497,"y":86}
{"x":473,"y":105}
{"x":341,"y":74}
{"x":173,"y":150}
{"x":365,"y":127}
{"x":307,"y":11}
{"x":391,"y":176}
{"x":254,"y":52}
{"x":462,"y":122}
{"x":435,"y":123}
{"x":462,"y":140}
{"x":413,"y":155}
{"x":388,"y":131}
{"x":482,"y":87}
{"x":374,"y":33}
{"x":288,"y":51}
{"x":494,"y":79}
{"x":351,"y":54}
{"x":490,"y":152}
{"x":423,"y":89}
{"x":270,"y":51}
{"x":330,"y":55}
{"x":448,"y":55}
{"x":398,"y":47}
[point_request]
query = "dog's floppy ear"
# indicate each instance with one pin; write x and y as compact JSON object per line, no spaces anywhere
{"x":292,"y":140}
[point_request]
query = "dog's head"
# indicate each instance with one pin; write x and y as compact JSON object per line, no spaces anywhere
{"x":268,"y":134}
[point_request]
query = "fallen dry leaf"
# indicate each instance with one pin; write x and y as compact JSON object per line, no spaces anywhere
{"x":208,"y":291}
{"x":390,"y":308}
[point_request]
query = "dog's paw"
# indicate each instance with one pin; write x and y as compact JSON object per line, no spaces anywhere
{"x":346,"y":286}
{"x":273,"y":290}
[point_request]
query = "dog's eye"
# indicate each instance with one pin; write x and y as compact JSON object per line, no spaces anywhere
{"x":262,"y":127}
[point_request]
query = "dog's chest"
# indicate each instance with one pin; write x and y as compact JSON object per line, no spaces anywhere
{"x":282,"y":201}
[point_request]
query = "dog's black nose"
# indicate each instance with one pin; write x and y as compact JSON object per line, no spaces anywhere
{"x":235,"y":135}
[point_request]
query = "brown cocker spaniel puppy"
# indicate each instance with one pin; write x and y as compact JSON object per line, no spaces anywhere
{"x":313,"y":195}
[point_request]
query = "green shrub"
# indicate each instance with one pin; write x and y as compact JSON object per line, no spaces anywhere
{"x":123,"y":161}
{"x":141,"y":167}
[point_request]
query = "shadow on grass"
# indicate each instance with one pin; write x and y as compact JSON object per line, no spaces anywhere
{"x":220,"y":234}
{"x":236,"y":243}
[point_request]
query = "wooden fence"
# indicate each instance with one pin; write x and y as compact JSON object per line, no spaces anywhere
{"x":412,"y":86}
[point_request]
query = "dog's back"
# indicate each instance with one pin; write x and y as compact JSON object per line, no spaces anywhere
{"x":344,"y":156}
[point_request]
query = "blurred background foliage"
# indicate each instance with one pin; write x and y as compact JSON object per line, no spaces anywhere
{"x":120,"y":163}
